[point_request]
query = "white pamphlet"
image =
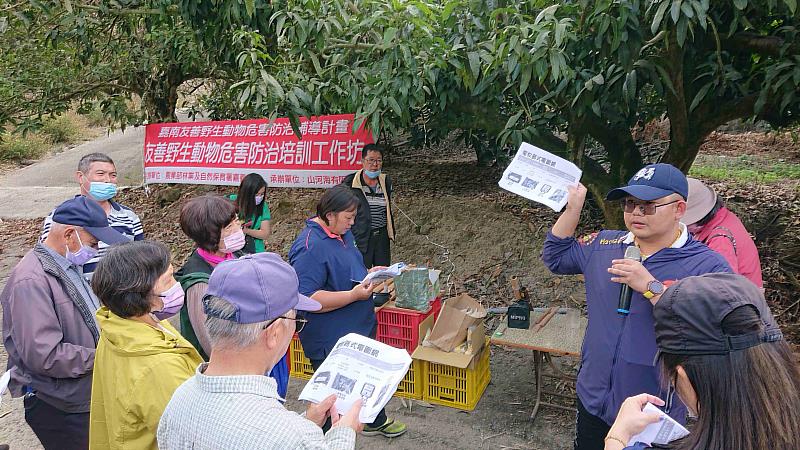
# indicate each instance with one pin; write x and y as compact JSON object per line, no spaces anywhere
{"x":540,"y":176}
{"x":384,"y":274}
{"x":4,"y":383}
{"x":359,"y":367}
{"x":662,"y":432}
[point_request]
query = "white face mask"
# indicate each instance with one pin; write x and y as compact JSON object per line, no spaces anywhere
{"x":233,"y":242}
{"x":259,"y":199}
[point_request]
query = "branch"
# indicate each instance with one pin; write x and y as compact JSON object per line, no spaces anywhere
{"x":350,"y":46}
{"x":711,"y":114}
{"x":130,"y":11}
{"x":754,"y":43}
{"x":15,"y":6}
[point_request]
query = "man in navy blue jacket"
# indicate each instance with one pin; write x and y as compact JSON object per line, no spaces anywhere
{"x":617,"y":360}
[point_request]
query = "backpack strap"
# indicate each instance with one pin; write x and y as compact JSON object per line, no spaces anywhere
{"x":726,"y":233}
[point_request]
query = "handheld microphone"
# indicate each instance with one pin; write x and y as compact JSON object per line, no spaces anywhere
{"x":624,"y":304}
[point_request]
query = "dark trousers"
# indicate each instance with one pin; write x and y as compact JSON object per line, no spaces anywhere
{"x":378,"y":252}
{"x":379,"y":420}
{"x":590,"y":430}
{"x":56,"y":429}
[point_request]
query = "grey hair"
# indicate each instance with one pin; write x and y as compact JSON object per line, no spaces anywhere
{"x":225,"y":333}
{"x":87,"y":160}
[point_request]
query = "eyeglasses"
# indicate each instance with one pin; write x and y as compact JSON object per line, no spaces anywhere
{"x":298,"y":323}
{"x":371,"y":161}
{"x":647,"y":209}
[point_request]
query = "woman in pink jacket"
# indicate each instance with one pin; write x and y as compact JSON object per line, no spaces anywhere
{"x":711,"y":223}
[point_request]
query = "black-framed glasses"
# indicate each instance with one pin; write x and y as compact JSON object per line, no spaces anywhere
{"x":299,"y":323}
{"x":647,"y":209}
{"x":373,"y":161}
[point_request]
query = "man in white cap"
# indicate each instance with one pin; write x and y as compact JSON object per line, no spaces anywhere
{"x":711,"y":223}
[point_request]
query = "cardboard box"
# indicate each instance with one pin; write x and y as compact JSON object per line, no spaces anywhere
{"x":476,"y":338}
{"x":457,"y":316}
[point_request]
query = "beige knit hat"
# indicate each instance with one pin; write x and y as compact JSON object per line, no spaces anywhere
{"x":701,"y":201}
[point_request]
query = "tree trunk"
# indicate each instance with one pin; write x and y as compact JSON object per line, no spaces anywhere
{"x":160,"y":99}
{"x":160,"y":104}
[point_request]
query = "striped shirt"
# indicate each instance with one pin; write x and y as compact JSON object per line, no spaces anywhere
{"x":239,"y":412}
{"x":121,"y":218}
{"x":377,"y":205}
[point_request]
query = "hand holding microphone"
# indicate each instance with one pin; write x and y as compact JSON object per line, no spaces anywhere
{"x":632,"y":274}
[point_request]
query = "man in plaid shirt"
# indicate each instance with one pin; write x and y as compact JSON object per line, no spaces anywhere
{"x":251,"y":304}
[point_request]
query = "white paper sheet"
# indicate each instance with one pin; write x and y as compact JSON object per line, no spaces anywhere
{"x":4,"y":383}
{"x":662,"y":432}
{"x":384,"y":274}
{"x":540,"y":176}
{"x":359,"y":367}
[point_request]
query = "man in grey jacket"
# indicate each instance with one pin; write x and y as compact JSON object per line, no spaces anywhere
{"x":49,"y":327}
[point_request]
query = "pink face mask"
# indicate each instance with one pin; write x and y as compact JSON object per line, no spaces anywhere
{"x":694,"y":228}
{"x":173,"y":301}
{"x":234,"y":242}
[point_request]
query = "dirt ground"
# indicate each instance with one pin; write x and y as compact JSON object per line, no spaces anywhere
{"x":452,"y":216}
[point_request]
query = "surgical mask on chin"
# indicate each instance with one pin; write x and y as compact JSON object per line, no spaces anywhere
{"x":372,"y":173}
{"x":83,"y":255}
{"x":101,"y":191}
{"x":173,"y":301}
{"x":234,"y":242}
{"x":259,"y":199}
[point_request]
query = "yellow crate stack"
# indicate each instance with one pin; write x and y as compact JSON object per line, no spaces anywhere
{"x":454,"y":387}
{"x":413,"y":384}
{"x":299,"y":365}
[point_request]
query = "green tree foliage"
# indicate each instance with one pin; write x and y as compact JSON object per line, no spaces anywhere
{"x":96,"y":55}
{"x":572,"y":78}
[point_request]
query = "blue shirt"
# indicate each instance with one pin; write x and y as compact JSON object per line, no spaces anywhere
{"x":617,"y":357}
{"x":327,"y":262}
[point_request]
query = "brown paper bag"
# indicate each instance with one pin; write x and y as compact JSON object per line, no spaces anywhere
{"x":457,"y":315}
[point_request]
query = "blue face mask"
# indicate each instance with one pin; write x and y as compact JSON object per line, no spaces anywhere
{"x":102,"y":191}
{"x":372,"y":173}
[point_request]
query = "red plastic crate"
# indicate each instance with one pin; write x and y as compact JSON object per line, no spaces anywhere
{"x":399,"y":327}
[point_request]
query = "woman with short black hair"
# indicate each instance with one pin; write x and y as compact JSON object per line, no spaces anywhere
{"x":140,"y":359}
{"x":328,"y":263}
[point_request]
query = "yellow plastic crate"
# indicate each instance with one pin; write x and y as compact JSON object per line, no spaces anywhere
{"x":454,"y":387}
{"x":299,"y":365}
{"x":412,"y":384}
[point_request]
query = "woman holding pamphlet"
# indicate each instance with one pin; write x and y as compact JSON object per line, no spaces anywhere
{"x":723,"y":353}
{"x":330,"y":268}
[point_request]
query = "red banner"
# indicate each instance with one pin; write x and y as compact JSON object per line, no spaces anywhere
{"x":224,"y":152}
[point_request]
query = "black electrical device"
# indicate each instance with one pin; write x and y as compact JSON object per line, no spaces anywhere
{"x":519,"y":313}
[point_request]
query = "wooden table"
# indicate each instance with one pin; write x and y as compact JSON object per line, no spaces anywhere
{"x":562,"y":336}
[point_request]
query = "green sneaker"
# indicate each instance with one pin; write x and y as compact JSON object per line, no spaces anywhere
{"x":390,"y":429}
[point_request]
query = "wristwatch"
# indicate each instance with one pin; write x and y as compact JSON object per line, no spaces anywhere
{"x":654,"y":287}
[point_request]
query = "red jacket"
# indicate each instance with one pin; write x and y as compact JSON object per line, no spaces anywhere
{"x":726,"y":235}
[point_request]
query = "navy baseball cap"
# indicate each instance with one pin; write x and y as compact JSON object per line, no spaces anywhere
{"x":261,"y":286}
{"x":89,"y":215}
{"x":688,"y":316}
{"x":652,"y":182}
